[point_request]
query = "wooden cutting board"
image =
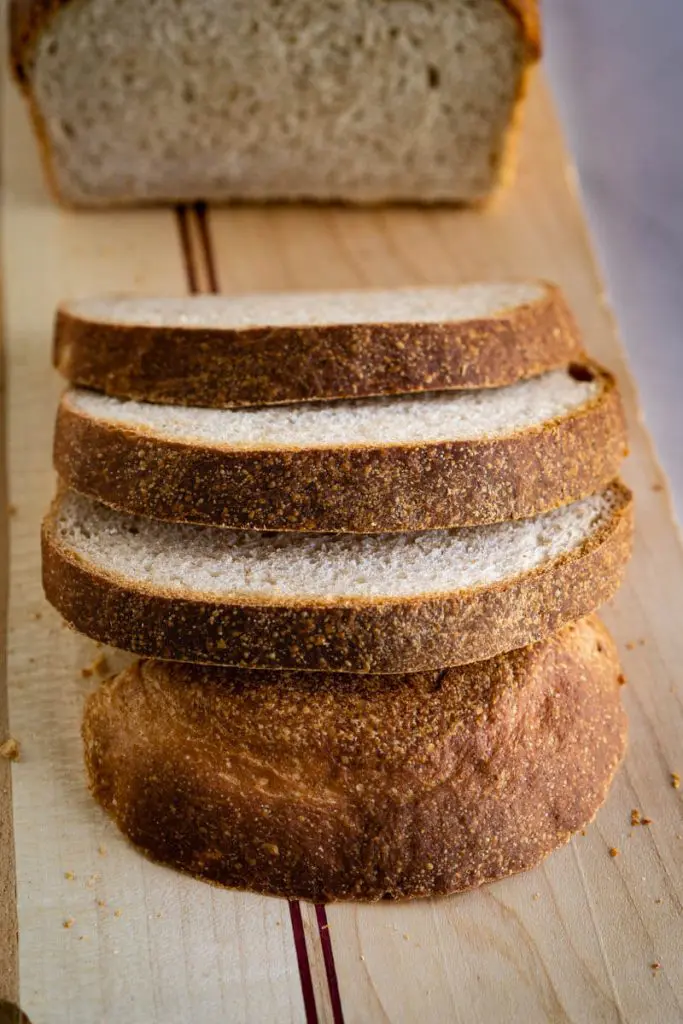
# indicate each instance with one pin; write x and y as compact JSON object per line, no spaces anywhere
{"x":103,"y":936}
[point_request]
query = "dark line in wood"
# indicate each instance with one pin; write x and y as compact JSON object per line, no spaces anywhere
{"x":302,"y":960}
{"x":183,"y":218}
{"x":330,"y":966}
{"x":9,"y":922}
{"x":202,"y":215}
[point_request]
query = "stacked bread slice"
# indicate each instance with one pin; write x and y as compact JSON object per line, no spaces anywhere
{"x":362,"y":536}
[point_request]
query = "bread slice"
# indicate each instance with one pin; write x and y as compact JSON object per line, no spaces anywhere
{"x":329,"y":787}
{"x":220,"y":351}
{"x":254,"y":100}
{"x":381,"y":603}
{"x":374,"y":465}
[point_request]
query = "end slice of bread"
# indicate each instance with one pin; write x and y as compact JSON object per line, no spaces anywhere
{"x":221,"y":351}
{"x":380,"y":603}
{"x":369,"y":466}
{"x":330,"y":787}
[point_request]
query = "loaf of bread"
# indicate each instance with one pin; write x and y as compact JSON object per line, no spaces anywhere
{"x":401,"y":602}
{"x":344,"y":787}
{"x":227,"y":352}
{"x":257,"y":100}
{"x":422,"y":462}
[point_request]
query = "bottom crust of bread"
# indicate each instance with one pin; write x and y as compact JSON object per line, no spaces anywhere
{"x":341,"y":787}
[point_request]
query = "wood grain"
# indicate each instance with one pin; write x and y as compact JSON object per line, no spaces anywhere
{"x":142,"y":945}
{"x":573,"y":941}
{"x":9,"y":973}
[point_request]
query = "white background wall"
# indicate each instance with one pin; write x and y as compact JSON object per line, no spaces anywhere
{"x":617,"y":71}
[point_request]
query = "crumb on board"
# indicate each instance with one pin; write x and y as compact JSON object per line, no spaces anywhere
{"x":641,"y":643}
{"x":69,"y":875}
{"x":118,"y":913}
{"x":635,"y":816}
{"x":102,"y":850}
{"x":630,"y":646}
{"x":675,"y":780}
{"x":68,"y":922}
{"x":613,"y":852}
{"x":646,"y":821}
{"x":101,"y":903}
{"x":621,"y":679}
{"x":659,"y":900}
{"x":99,"y":666}
{"x":656,"y":966}
{"x":93,"y":880}
{"x":10,"y":750}
{"x":536,"y":896}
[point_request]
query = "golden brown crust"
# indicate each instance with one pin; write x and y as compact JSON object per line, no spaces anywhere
{"x":529,"y":14}
{"x":27,"y":18}
{"x":356,"y":489}
{"x":263,"y":366}
{"x":358,"y":635}
{"x":360,"y":787}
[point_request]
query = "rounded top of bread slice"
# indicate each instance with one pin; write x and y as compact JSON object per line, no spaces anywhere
{"x":263,"y":349}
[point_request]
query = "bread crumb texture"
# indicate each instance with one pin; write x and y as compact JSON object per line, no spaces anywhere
{"x":317,"y":100}
{"x":10,"y":750}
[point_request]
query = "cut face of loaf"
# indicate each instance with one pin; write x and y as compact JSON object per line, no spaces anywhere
{"x":408,"y":463}
{"x":386,"y":603}
{"x":220,"y":351}
{"x":273,"y":781}
{"x":260,"y":100}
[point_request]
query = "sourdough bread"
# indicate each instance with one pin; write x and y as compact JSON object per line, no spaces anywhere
{"x":333,"y":787}
{"x":374,"y":465}
{"x":265,"y":349}
{"x":259,"y":100}
{"x":380,"y":603}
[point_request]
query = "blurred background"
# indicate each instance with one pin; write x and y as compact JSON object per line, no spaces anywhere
{"x":616,"y":67}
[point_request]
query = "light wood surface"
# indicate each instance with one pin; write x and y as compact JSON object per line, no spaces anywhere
{"x":572,"y":941}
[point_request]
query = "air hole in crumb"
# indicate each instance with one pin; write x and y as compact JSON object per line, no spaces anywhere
{"x":599,"y":648}
{"x":53,"y":47}
{"x":189,"y":94}
{"x":68,"y":129}
{"x":393,"y":33}
{"x":581,"y":373}
{"x":433,"y":77}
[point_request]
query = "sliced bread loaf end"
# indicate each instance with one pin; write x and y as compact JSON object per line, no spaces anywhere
{"x":361,"y":101}
{"x":274,"y":782}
